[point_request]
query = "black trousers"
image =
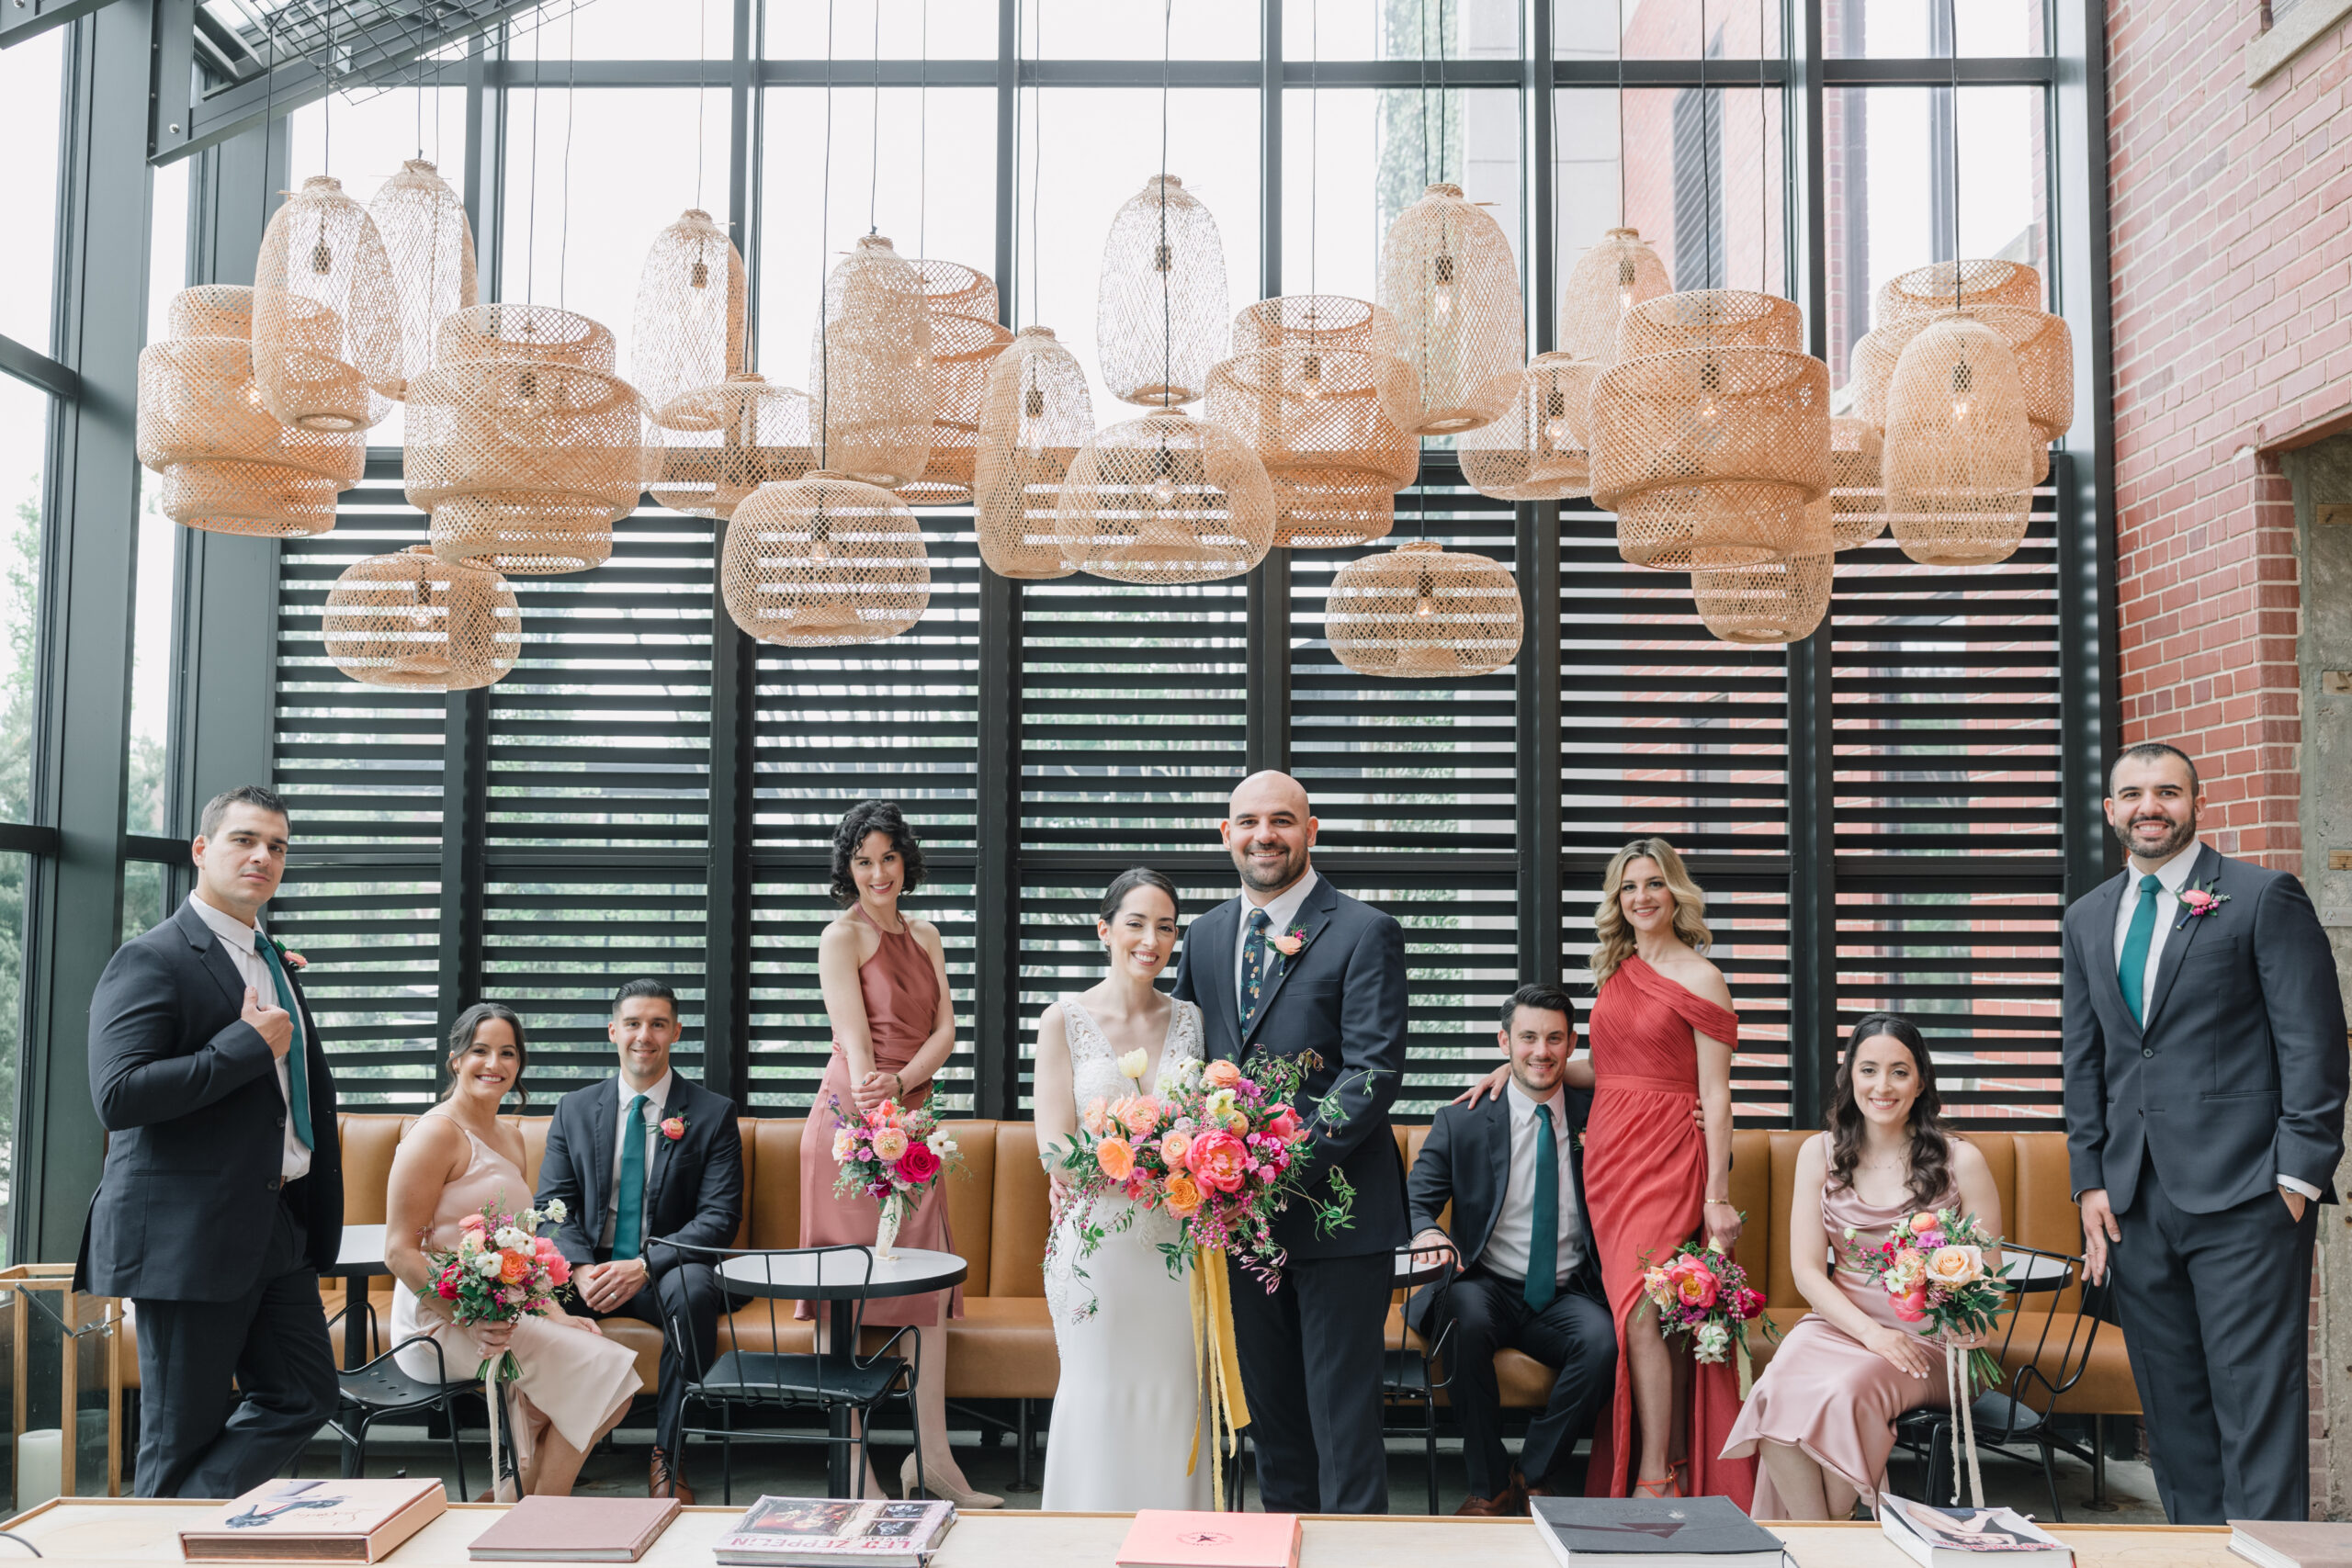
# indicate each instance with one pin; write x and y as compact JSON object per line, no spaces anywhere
{"x":1490,"y":1312}
{"x":689,"y":1294}
{"x":2217,"y":1308}
{"x":201,"y":1437}
{"x":1311,"y":1365}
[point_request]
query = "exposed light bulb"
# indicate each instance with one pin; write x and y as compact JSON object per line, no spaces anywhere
{"x":1442,"y":302}
{"x":1557,"y":431}
{"x":1163,"y":492}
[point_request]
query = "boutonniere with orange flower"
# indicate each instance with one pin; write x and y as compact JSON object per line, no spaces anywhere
{"x":292,"y":960}
{"x":674,"y":1128}
{"x":2200,"y":901}
{"x":1290,"y":942}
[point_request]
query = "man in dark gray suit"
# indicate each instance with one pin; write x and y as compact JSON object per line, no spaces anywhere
{"x":222,"y":1193}
{"x":2206,"y":1078}
{"x":1290,"y":967}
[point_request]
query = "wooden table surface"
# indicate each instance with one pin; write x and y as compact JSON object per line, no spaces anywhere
{"x":102,"y":1534}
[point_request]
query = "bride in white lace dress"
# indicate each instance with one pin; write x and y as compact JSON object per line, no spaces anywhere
{"x":1125,"y":1410}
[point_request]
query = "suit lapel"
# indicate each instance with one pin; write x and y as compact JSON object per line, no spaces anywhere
{"x":1496,"y":1132}
{"x":603,"y":1132}
{"x":1313,"y":915}
{"x":2176,"y":942}
{"x":681,"y":1096}
{"x":2105,"y":906}
{"x":1208,"y":952}
{"x":213,"y":957}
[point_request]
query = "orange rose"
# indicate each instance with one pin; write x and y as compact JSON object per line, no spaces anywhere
{"x":513,"y":1267}
{"x":1116,"y":1158}
{"x":1184,"y":1195}
{"x":1172,"y":1147}
{"x":1221,"y":1074}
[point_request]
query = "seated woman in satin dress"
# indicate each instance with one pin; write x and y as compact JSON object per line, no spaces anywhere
{"x":576,"y":1384}
{"x":1823,"y":1414}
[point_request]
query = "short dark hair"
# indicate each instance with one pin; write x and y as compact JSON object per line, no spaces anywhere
{"x":1127,"y":882}
{"x":1544,"y":995}
{"x":468,"y":1024}
{"x":260,"y":796}
{"x":646,"y":988}
{"x":2151,"y":751}
{"x":874,"y":816}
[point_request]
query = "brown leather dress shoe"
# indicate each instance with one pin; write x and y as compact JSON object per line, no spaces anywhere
{"x":662,"y":1479}
{"x":1509,"y":1502}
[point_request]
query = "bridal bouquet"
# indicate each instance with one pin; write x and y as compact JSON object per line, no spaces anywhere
{"x":1704,"y":1295}
{"x":499,"y":1271}
{"x":1932,"y":1265}
{"x":891,"y":1155}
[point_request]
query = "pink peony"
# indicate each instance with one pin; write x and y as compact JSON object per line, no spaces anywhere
{"x":1693,"y":1283}
{"x":1139,"y":1116}
{"x":890,"y":1144}
{"x":1217,"y":1161}
{"x":918,"y":1165}
{"x":559,"y":1269}
{"x":1285,"y":1124}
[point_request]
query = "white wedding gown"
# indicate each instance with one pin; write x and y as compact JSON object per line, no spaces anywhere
{"x":1125,"y":1409}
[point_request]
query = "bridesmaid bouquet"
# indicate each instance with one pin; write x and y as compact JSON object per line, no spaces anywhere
{"x":1704,"y":1295}
{"x":892,"y":1154}
{"x":1932,"y":1265}
{"x":499,"y":1271}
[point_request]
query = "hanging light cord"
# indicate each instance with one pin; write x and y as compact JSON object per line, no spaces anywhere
{"x":824,"y":220}
{"x":1763,"y":166}
{"x":1422,"y":69}
{"x":1314,"y":143}
{"x":874,"y":140}
{"x":1037,"y":164}
{"x":1166,"y":257}
{"x":701,"y":91}
{"x":570,"y":118}
{"x":1623,"y":222}
{"x":1445,"y":118}
{"x":922,"y":138}
{"x":1951,"y":55}
{"x":531,"y":251}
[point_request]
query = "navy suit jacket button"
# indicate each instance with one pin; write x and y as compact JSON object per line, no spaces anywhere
{"x":2147,"y":1053}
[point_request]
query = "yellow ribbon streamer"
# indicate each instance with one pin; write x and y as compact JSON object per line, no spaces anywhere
{"x":1217,"y":1365}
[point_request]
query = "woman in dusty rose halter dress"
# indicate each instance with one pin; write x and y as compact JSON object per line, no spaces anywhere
{"x":885,"y":978}
{"x":1823,"y":1414}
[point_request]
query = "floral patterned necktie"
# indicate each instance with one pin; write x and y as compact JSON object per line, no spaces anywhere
{"x":1254,"y":968}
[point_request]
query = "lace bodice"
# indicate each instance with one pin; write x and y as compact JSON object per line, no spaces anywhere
{"x":1095,"y":1065}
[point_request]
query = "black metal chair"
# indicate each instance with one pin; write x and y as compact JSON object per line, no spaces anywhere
{"x":1408,"y":1376}
{"x":381,"y":1390}
{"x":2018,"y":1414}
{"x":742,"y":1377}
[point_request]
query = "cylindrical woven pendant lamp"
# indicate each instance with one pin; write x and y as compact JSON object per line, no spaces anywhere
{"x":1712,"y":457}
{"x":1332,"y":320}
{"x":1770,"y":602}
{"x":1958,"y":460}
{"x":1447,"y":275}
{"x":431,"y":247}
{"x":870,"y":368}
{"x":954,"y":289}
{"x":326,"y":314}
{"x":415,"y":620}
{"x":227,"y":466}
{"x":1607,"y":281}
{"x":1317,"y":418}
{"x":1857,"y":491}
{"x":1165,"y":499}
{"x":1945,"y":285}
{"x":688,"y":328}
{"x":716,"y":444}
{"x":1702,"y":318}
{"x":1035,"y":415}
{"x":1162,"y":307}
{"x":962,"y":349}
{"x":2044,"y":350}
{"x":824,"y":562}
{"x":1420,"y":611}
{"x":521,"y":444}
{"x":1537,"y":451}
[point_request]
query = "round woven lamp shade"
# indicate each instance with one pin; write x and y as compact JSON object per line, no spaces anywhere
{"x":1536,"y":451}
{"x":1319,"y":419}
{"x":1959,"y":461}
{"x":1422,"y":612}
{"x":228,"y":467}
{"x":431,"y":247}
{"x":1331,"y":321}
{"x":1160,"y":308}
{"x":1035,"y":416}
{"x":688,"y":328}
{"x":1944,"y":285}
{"x":1713,"y":456}
{"x":521,"y":444}
{"x":1771,"y":601}
{"x":869,"y":368}
{"x":1607,"y":281}
{"x":715,"y":445}
{"x":962,"y":350}
{"x":2042,"y":343}
{"x":326,"y":314}
{"x":1165,"y":499}
{"x":954,"y":289}
{"x":1446,"y":274}
{"x":1857,"y":491}
{"x":1703,"y":318}
{"x":417,"y":621}
{"x":824,"y":562}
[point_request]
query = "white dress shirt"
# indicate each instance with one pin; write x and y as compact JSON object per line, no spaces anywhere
{"x":1282,"y":911}
{"x":237,"y":938}
{"x":656,"y":1099}
{"x":1506,"y":1252}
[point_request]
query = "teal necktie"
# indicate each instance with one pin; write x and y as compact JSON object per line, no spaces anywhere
{"x":2134,"y":966}
{"x":1543,"y":1219}
{"x":298,"y":1071}
{"x":629,"y":1219}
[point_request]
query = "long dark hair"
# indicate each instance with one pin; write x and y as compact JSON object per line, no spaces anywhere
{"x":1930,"y":1142}
{"x":874,"y":816}
{"x":461,"y":1039}
{"x":1127,"y":882}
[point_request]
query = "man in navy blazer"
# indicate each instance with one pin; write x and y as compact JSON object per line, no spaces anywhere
{"x":2206,"y":1078}
{"x":1530,"y":1279}
{"x":1292,"y":966}
{"x":672,"y":1146}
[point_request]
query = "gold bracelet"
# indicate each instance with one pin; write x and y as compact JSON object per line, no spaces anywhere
{"x":1719,"y":1203}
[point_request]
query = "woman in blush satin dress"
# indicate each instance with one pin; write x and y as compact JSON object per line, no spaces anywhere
{"x":1822,"y":1416}
{"x":885,"y":980}
{"x":576,"y":1384}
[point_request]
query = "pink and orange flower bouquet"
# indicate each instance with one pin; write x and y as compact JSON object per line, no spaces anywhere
{"x":1932,"y":1265}
{"x":501,"y":1271}
{"x":891,"y":1155}
{"x":1704,"y":1296}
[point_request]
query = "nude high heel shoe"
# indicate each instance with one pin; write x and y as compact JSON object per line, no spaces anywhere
{"x":932,"y":1483}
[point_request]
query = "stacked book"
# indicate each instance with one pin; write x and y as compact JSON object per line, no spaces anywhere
{"x":316,"y":1521}
{"x":1653,"y":1532}
{"x":815,"y":1532}
{"x":1964,"y":1537}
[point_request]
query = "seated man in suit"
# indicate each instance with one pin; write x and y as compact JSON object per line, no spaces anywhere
{"x":640,"y":1159}
{"x":1529,"y":1278}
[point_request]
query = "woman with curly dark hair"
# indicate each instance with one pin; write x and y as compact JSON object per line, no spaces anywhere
{"x":885,"y":978}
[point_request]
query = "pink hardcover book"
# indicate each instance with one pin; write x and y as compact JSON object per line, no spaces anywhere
{"x":1169,"y":1538}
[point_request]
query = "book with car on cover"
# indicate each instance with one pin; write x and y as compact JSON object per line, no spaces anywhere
{"x":1653,"y":1532}
{"x":316,"y":1521}
{"x":1173,"y":1538}
{"x":575,"y":1530}
{"x":812,"y":1532}
{"x":1961,"y":1537}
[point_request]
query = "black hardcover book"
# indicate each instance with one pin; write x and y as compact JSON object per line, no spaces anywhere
{"x":1653,"y":1532}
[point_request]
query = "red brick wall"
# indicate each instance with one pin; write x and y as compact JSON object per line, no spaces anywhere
{"x":2230,"y":232}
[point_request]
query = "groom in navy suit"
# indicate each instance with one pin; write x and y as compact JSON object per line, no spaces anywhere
{"x":1294,"y":966}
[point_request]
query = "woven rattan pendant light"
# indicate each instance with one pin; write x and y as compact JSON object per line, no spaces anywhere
{"x":1769,"y":602}
{"x":1959,"y":458}
{"x":1943,"y":285}
{"x":962,"y":349}
{"x":1035,"y":414}
{"x":521,"y":442}
{"x":1420,"y":611}
{"x":870,"y":368}
{"x":1537,"y":451}
{"x":1607,"y":281}
{"x":326,"y":314}
{"x":1319,"y":419}
{"x":951,"y":288}
{"x":228,"y":467}
{"x":824,"y":561}
{"x":1857,"y":493}
{"x":431,"y":248}
{"x":415,"y":620}
{"x":687,"y":332}
{"x":716,"y":445}
{"x":1160,"y":308}
{"x":1165,"y":499}
{"x":1710,"y":317}
{"x":1447,"y":276}
{"x":1332,"y":320}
